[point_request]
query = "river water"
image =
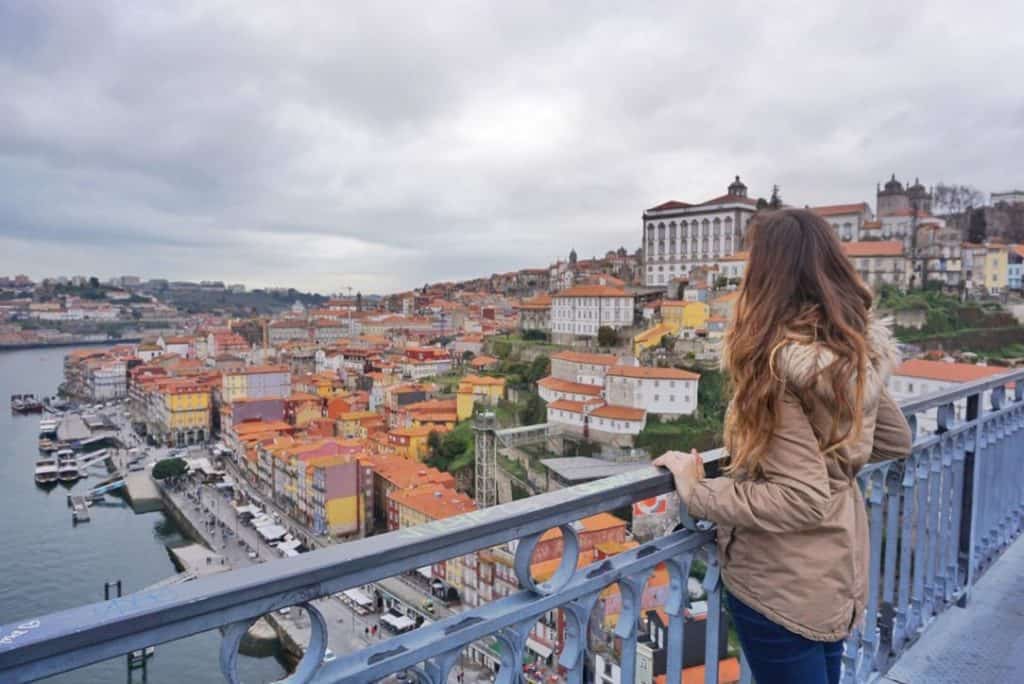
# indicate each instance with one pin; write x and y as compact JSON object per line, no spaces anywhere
{"x":47,"y":564}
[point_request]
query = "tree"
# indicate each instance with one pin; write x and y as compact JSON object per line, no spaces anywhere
{"x":539,"y":368}
{"x":533,"y":412}
{"x":976,"y":225}
{"x":434,"y":441}
{"x":668,"y":342}
{"x":467,"y":356}
{"x":607,"y":337}
{"x":169,"y":468}
{"x":94,"y":282}
{"x":955,"y":199}
{"x":721,"y":281}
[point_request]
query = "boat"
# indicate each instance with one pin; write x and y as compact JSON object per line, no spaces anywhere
{"x":48,"y":427}
{"x":68,"y":469}
{"x":25,"y":403}
{"x":46,"y":471}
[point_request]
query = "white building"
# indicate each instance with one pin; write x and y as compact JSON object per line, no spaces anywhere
{"x":107,"y":381}
{"x":1009,"y":197}
{"x":582,"y":367}
{"x":580,"y":311}
{"x":679,"y":235}
{"x":662,"y":391}
{"x":880,"y":262}
{"x":919,"y":377}
{"x":846,"y":219}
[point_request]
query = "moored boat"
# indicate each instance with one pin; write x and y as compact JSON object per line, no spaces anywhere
{"x":68,"y":469}
{"x":25,"y":403}
{"x":46,"y":471}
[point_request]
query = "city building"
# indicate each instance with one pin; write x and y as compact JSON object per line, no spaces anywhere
{"x":668,"y":392}
{"x":920,"y":377}
{"x":582,"y":310}
{"x":182,"y":413}
{"x":846,"y":219}
{"x":473,"y":389}
{"x":880,"y":262}
{"x":1015,"y":267}
{"x":535,"y":313}
{"x":679,"y":235}
{"x":1008,"y":197}
{"x":256,"y":382}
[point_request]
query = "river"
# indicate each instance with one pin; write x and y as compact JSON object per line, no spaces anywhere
{"x":47,"y":564}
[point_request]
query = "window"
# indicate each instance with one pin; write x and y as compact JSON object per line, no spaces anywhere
{"x":657,"y":398}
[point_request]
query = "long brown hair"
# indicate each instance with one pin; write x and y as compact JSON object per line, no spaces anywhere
{"x":798,"y":287}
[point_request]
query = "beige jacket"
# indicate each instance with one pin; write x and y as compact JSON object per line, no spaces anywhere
{"x":793,"y":542}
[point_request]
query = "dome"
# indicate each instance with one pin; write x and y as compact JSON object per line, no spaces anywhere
{"x":917,"y":190}
{"x":893,"y":185}
{"x":737,"y":188}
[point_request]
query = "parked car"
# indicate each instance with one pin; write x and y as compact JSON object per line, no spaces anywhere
{"x":329,"y":656}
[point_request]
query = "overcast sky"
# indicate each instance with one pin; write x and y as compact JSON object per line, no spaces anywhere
{"x":332,"y":145}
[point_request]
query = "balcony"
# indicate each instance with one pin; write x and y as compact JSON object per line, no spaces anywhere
{"x":939,"y":521}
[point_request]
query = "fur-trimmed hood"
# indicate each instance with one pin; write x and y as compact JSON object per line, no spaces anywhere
{"x":801,"y":364}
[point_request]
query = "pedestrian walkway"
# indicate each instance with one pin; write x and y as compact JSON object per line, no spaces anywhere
{"x":983,"y":642}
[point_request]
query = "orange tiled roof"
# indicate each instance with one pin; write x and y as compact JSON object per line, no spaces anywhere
{"x":946,"y":372}
{"x":840,"y":209}
{"x":871,"y":248}
{"x":558,"y":385}
{"x":738,"y":256}
{"x":434,"y":501}
{"x":647,"y":372}
{"x":585,"y":357}
{"x":592,"y":291}
{"x":619,"y":413}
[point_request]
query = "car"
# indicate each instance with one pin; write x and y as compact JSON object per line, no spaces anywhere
{"x":252,"y":555}
{"x":285,"y":611}
{"x":401,"y":676}
{"x":329,"y":656}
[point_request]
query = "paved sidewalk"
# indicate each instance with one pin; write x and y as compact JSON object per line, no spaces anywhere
{"x":983,"y":642}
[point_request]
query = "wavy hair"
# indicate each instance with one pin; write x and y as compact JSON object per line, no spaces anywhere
{"x":798,"y":288}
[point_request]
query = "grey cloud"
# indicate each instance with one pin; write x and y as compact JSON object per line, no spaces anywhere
{"x":320,"y":144}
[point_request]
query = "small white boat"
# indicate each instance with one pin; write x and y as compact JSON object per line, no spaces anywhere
{"x":46,"y":471}
{"x":68,"y":469}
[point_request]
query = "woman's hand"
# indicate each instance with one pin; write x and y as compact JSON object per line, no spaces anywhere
{"x":687,"y":469}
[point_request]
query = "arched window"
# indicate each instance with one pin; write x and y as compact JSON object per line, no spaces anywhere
{"x":705,"y":227}
{"x":717,"y":227}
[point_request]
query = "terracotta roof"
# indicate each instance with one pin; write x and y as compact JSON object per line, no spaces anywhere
{"x":566,"y":405}
{"x":873,"y":248}
{"x":558,"y":385}
{"x":482,"y":380}
{"x":840,"y":209}
{"x":681,"y":303}
{"x":541,"y":301}
{"x":434,"y":501}
{"x":619,"y":413}
{"x":594,"y":523}
{"x":585,"y":357}
{"x":730,"y":199}
{"x":653,"y":373}
{"x":593,"y":291}
{"x":726,"y":298}
{"x":946,"y":372}
{"x":671,"y":204}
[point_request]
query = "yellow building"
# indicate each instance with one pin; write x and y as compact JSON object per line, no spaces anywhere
{"x":183,"y":415}
{"x":474,"y":388}
{"x":233,"y":387}
{"x":679,"y":315}
{"x":351,"y":424}
{"x":651,"y":337}
{"x":411,"y":442}
{"x":997,"y":267}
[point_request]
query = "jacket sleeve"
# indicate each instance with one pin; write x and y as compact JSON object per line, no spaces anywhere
{"x":892,"y":433}
{"x":792,"y":493}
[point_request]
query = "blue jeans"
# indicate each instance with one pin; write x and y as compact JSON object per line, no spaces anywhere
{"x":778,"y":656}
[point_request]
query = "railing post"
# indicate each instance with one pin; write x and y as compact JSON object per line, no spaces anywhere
{"x":971,"y":484}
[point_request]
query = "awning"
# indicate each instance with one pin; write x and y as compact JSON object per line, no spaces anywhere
{"x":358,"y":597}
{"x":538,"y":648}
{"x":271,"y":532}
{"x":425,"y":572}
{"x":290,"y":545}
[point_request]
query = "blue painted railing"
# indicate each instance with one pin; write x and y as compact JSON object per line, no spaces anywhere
{"x":937,"y":521}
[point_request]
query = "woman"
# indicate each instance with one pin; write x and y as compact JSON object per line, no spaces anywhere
{"x":808,"y":364}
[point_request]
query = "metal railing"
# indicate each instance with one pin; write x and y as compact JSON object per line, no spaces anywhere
{"x":937,"y":521}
